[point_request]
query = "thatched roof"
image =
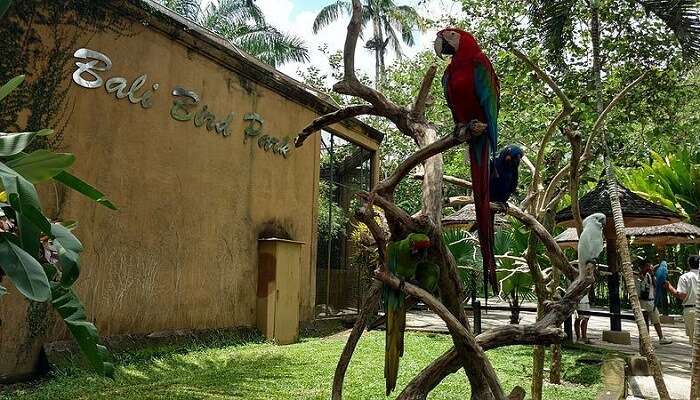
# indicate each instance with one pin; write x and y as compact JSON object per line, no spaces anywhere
{"x":662,"y":235}
{"x":638,"y":211}
{"x":465,"y":217}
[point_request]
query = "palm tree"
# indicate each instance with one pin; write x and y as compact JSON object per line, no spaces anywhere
{"x":243,"y":24}
{"x":391,"y":25}
{"x":683,"y":18}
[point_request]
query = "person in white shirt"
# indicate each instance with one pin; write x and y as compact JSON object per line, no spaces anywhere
{"x":646,"y":291}
{"x":686,"y":292}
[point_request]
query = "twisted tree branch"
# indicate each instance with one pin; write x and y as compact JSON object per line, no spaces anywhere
{"x":333,"y":118}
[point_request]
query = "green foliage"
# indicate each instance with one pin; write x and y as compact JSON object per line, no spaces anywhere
{"x":673,"y":180}
{"x":40,"y":257}
{"x":258,"y":370}
{"x":243,"y":24}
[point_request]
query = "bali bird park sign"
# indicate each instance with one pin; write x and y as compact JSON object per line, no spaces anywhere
{"x":192,"y":140}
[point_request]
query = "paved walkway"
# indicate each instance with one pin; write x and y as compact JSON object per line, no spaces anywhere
{"x":675,"y":358}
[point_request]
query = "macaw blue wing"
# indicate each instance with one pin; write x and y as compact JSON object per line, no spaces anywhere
{"x":488,"y":93}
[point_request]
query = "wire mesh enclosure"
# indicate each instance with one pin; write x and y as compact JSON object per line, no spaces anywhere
{"x":344,"y":261}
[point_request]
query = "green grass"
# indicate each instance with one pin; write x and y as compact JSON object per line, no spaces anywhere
{"x":257,"y":370}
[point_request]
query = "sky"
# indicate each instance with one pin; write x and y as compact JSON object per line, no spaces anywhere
{"x":297,"y":16}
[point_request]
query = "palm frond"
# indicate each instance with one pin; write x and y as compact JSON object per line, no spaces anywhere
{"x":231,"y":12}
{"x":330,"y":13}
{"x":554,"y":20}
{"x":683,"y":18}
{"x":189,"y":9}
{"x":270,"y":45}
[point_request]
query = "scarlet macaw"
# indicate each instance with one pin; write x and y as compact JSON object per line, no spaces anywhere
{"x":472,"y":92}
{"x":403,"y":260}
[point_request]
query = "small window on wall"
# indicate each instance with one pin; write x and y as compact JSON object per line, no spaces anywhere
{"x":343,"y":266}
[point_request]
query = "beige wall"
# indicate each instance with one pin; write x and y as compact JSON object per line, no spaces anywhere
{"x":181,"y":250}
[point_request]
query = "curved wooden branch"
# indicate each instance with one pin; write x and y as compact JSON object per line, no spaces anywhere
{"x":453,"y":324}
{"x":418,"y":110}
{"x":574,"y":176}
{"x":601,"y":118}
{"x":333,"y":118}
{"x":391,"y":210}
{"x":543,"y":332}
{"x":545,"y":77}
{"x":447,"y":178}
{"x":369,"y":308}
{"x":387,"y":186}
{"x":555,"y":253}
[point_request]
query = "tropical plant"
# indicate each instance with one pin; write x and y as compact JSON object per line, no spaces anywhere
{"x":672,"y":180}
{"x":243,"y":24}
{"x":513,"y":273}
{"x":391,"y":25}
{"x":39,"y":256}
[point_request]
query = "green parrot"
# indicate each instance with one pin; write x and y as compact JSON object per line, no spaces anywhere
{"x":403,"y":258}
{"x":427,"y":275}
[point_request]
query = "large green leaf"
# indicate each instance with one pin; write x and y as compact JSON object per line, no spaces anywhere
{"x":68,"y":306}
{"x":41,"y":165}
{"x":25,"y":200}
{"x":12,"y":83}
{"x":24,"y":271}
{"x":84,"y":188}
{"x":69,"y":248}
{"x":4,"y":5}
{"x":14,"y":143}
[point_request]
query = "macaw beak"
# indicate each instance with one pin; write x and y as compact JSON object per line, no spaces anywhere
{"x":438,"y":45}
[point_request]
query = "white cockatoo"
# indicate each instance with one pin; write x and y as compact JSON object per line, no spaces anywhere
{"x":590,"y":244}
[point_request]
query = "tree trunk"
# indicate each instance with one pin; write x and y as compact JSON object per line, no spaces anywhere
{"x":514,"y":309}
{"x":538,"y":361}
{"x":377,"y":52}
{"x":555,"y":368}
{"x":623,"y":249}
{"x":695,"y":375}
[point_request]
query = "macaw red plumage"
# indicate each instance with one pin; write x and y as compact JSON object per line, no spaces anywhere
{"x":472,"y":92}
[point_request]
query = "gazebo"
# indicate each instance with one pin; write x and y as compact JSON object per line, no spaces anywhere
{"x":465,"y":218}
{"x":637,"y":212}
{"x":660,"y":235}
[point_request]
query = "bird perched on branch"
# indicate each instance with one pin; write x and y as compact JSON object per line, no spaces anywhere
{"x":590,"y":244}
{"x":404,"y":258}
{"x":472,"y":92}
{"x":504,"y":173}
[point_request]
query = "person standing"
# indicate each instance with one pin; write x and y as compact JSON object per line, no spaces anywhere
{"x":647,"y":289}
{"x":581,"y":321}
{"x":686,"y":293}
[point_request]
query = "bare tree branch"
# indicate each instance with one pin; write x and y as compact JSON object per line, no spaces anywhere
{"x":545,"y":331}
{"x":333,"y":118}
{"x":453,"y":324}
{"x":447,"y":178}
{"x":369,"y":308}
{"x":601,"y":118}
{"x":387,"y":186}
{"x":418,"y":110}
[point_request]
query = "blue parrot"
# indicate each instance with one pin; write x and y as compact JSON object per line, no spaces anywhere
{"x":661,"y":278}
{"x":504,"y":173}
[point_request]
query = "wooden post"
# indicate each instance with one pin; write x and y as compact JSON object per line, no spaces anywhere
{"x":568,"y":329}
{"x":476,"y":307}
{"x":613,"y":279}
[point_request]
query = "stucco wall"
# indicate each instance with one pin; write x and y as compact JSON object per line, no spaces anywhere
{"x":181,"y":251}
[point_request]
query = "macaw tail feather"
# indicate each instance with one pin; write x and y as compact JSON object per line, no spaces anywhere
{"x":395,"y":326}
{"x":478,"y":155}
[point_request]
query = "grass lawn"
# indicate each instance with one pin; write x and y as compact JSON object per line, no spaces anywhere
{"x":252,"y":369}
